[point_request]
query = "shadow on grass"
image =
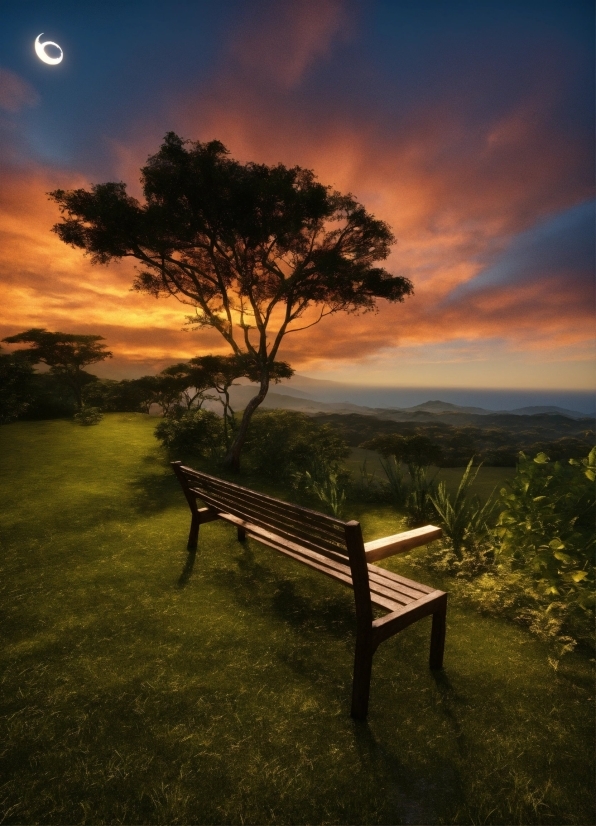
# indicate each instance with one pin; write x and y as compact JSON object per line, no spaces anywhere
{"x":155,"y":491}
{"x":188,"y":569}
{"x":253,"y":581}
{"x":413,"y":796}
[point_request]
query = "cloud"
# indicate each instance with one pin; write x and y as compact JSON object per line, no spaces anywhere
{"x":281,"y":41}
{"x":15,"y":93}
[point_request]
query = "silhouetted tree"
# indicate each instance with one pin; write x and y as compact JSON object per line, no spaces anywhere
{"x":250,"y":247}
{"x":65,"y":354}
{"x":193,"y":382}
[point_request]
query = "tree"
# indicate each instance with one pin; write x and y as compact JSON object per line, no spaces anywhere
{"x":192,"y":380}
{"x":250,"y":247}
{"x":220,"y":373}
{"x":65,"y":354}
{"x":16,"y":374}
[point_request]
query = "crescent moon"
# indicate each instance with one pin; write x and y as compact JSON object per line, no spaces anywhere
{"x":40,"y":51}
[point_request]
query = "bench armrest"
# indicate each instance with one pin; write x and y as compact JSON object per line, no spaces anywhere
{"x":398,"y":543}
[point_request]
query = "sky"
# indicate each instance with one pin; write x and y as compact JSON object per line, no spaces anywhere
{"x":468,"y":127}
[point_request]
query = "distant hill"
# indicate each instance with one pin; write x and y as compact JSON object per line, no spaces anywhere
{"x":290,"y":398}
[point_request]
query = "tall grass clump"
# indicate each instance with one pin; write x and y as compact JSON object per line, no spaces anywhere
{"x":466,"y":525}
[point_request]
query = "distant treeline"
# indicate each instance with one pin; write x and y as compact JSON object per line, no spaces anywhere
{"x":495,"y":440}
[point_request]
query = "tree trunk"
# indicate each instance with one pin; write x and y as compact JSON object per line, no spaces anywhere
{"x":232,"y":459}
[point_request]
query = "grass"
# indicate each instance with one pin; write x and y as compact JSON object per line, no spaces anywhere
{"x":133,"y":692}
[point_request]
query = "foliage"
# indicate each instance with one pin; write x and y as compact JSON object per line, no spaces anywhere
{"x":282,"y":443}
{"x":419,"y":503}
{"x":417,"y":452}
{"x":88,"y":416}
{"x":126,"y":396}
{"x":547,"y":533}
{"x":326,"y":481}
{"x":220,"y":373}
{"x":413,"y":450}
{"x":50,"y":398}
{"x":398,"y":487}
{"x":465,"y":523}
{"x":495,"y":440}
{"x":537,"y":565}
{"x":366,"y":487}
{"x":251,"y":247}
{"x":65,"y":354}
{"x":195,"y":433}
{"x":16,"y":374}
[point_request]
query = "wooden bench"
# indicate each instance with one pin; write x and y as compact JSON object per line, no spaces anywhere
{"x":334,"y":548}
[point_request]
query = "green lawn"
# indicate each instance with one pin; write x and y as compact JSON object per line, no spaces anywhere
{"x":132,"y":693}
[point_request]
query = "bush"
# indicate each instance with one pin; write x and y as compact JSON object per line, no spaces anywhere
{"x":197,"y":433}
{"x":547,"y":541}
{"x":283,"y":443}
{"x":326,"y":482}
{"x":16,"y":375}
{"x":88,"y":416}
{"x":49,"y":398}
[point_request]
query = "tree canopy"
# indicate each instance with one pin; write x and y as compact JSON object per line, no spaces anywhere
{"x":250,"y":247}
{"x":64,"y":353}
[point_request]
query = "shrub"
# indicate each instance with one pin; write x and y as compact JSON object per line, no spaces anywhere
{"x":196,"y":433}
{"x":88,"y":416}
{"x":547,"y":541}
{"x":326,"y":482}
{"x":283,"y":443}
{"x":367,"y":488}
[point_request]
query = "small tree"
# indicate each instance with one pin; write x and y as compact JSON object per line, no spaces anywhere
{"x":250,"y":247}
{"x":65,"y":354}
{"x":192,"y":381}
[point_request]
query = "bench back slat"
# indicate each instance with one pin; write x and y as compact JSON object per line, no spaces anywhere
{"x":313,"y":543}
{"x":302,"y":519}
{"x":196,"y":479}
{"x":316,"y":531}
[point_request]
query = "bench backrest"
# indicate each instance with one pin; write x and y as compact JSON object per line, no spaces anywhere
{"x":316,"y":531}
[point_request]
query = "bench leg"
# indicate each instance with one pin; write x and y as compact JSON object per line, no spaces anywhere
{"x":241,"y":534}
{"x":193,"y":536}
{"x":437,"y":637}
{"x":362,"y":674}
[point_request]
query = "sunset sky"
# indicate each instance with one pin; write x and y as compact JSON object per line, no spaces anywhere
{"x":467,"y":126}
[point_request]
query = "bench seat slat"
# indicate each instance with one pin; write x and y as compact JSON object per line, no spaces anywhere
{"x":400,"y":587}
{"x":418,"y":586}
{"x":399,"y":596}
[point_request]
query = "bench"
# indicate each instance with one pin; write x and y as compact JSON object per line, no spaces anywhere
{"x":334,"y":548}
